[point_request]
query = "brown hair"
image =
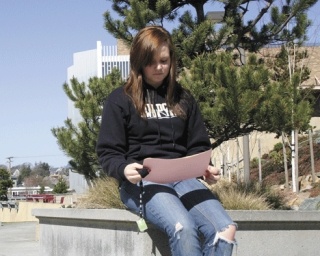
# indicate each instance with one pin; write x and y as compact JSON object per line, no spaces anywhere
{"x":142,"y":52}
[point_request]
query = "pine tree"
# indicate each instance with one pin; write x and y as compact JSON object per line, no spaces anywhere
{"x":78,"y":141}
{"x":61,"y":187}
{"x":5,"y":184}
{"x":242,"y":25}
{"x":235,"y":99}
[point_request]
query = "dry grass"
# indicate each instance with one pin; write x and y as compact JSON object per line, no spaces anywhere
{"x":234,"y":197}
{"x":104,"y":194}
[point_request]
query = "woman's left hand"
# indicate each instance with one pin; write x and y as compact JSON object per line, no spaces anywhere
{"x":212,"y":175}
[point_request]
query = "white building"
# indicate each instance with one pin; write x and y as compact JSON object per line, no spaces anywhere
{"x":97,"y":62}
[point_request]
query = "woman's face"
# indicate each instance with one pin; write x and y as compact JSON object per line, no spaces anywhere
{"x":157,"y":71}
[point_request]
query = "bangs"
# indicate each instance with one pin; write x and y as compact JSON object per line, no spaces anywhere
{"x":148,"y":52}
{"x":150,"y":43}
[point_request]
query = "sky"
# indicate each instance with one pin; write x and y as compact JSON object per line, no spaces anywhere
{"x":37,"y":42}
{"x":38,"y":39}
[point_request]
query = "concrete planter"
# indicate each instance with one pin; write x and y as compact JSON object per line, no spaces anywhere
{"x":113,"y":232}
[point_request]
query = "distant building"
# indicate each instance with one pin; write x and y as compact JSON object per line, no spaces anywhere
{"x":97,"y":62}
{"x":17,"y":192}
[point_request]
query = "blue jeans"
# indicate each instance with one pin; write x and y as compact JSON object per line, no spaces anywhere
{"x":182,"y":210}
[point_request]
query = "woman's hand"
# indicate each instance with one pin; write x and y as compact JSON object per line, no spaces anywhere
{"x":132,"y":174}
{"x":212,"y":175}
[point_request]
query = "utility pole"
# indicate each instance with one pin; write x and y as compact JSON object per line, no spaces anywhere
{"x":9,"y":164}
{"x":9,"y":170}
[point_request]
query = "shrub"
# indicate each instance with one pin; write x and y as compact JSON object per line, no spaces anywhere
{"x":104,"y":194}
{"x":61,"y":187}
{"x":234,"y":197}
{"x":247,"y":197}
{"x":254,"y":163}
{"x":277,"y":147}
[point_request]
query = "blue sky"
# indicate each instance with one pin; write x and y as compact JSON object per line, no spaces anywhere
{"x":38,"y":39}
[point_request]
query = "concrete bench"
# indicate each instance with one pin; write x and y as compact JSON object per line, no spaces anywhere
{"x":114,"y":232}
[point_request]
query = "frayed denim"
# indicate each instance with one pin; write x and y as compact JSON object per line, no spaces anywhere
{"x":187,"y":212}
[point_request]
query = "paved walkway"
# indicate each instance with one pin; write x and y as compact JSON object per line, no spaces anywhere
{"x":19,"y":239}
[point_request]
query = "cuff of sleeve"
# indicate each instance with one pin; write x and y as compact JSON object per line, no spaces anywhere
{"x":121,"y":171}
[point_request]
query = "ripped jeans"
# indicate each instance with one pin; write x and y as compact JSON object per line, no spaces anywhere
{"x":181,"y":210}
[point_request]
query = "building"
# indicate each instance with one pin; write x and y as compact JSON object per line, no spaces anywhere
{"x":98,"y":62}
{"x":22,"y":192}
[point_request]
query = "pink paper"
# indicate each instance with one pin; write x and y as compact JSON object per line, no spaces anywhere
{"x":172,"y":170}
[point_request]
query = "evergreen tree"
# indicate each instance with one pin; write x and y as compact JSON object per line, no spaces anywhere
{"x":242,"y":25}
{"x":5,"y":183}
{"x":42,"y":189}
{"x":61,"y":187}
{"x":25,"y":171}
{"x":289,"y":106}
{"x":235,"y":99}
{"x":78,"y":141}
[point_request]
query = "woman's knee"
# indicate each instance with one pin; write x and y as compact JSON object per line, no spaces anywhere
{"x":229,"y":233}
{"x":183,"y":230}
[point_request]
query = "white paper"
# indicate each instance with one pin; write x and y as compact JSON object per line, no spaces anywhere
{"x":172,"y":170}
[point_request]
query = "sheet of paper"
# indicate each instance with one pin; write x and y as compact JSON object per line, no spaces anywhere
{"x":172,"y":170}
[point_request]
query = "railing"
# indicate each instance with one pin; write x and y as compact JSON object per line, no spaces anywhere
{"x":46,"y":198}
{"x":8,"y":204}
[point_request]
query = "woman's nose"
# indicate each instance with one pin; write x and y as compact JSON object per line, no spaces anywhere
{"x":158,"y":66}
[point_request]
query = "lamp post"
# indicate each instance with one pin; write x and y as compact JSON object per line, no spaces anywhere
{"x":215,"y":16}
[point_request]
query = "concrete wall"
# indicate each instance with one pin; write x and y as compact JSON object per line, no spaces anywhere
{"x":114,"y":232}
{"x":23,"y":212}
{"x":20,"y":211}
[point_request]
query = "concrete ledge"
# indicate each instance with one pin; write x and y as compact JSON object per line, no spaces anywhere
{"x":114,"y":232}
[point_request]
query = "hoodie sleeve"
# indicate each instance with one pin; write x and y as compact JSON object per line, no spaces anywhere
{"x":111,"y":144}
{"x":198,"y":139}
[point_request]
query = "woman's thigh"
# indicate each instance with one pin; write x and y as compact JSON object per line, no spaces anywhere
{"x":161,"y":205}
{"x":205,"y":208}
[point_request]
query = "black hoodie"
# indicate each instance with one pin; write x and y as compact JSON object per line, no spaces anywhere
{"x":125,"y":137}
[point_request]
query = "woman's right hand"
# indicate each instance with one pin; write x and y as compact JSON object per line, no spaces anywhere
{"x":132,"y":174}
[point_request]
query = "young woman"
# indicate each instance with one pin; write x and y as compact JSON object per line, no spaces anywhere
{"x":153,"y":116}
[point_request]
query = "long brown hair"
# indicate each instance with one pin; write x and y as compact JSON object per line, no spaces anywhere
{"x":142,"y":52}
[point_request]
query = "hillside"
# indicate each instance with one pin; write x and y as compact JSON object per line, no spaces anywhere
{"x":273,"y":174}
